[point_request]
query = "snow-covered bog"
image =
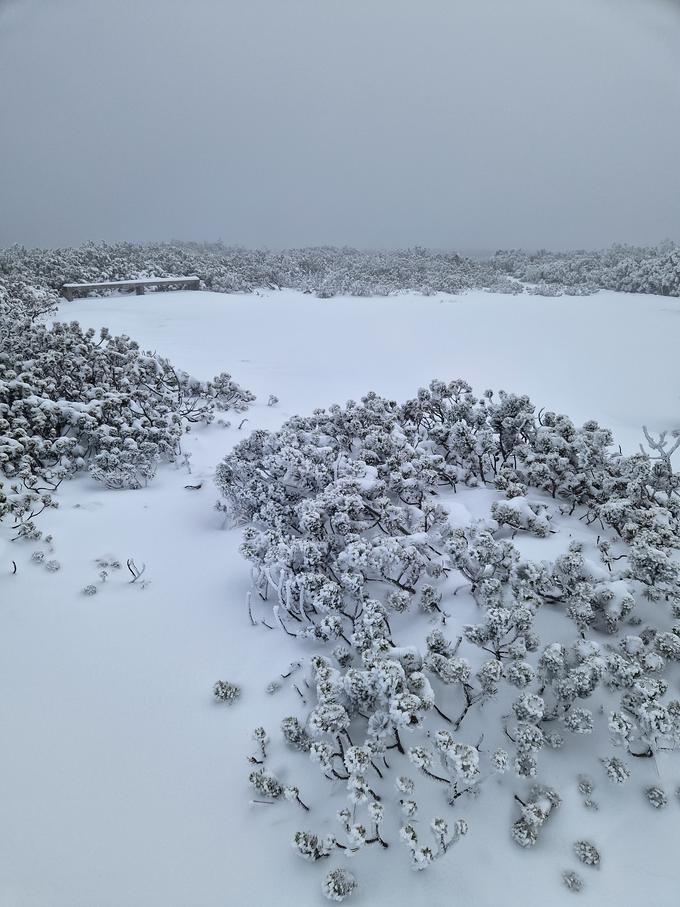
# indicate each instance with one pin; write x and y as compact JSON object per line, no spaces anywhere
{"x":350,"y":542}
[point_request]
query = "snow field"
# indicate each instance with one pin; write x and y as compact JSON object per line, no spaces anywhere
{"x":125,"y":784}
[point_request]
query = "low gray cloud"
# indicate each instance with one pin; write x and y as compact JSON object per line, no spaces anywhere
{"x":464,"y":123}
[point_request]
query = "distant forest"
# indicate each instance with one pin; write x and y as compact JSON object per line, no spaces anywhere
{"x":327,"y":271}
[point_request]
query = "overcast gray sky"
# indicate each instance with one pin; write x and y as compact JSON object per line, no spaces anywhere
{"x":458,"y":123}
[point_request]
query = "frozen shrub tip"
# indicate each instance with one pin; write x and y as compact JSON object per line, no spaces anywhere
{"x":338,"y":885}
{"x":261,"y":738}
{"x":535,"y":812}
{"x":409,"y":808}
{"x":553,"y":740}
{"x":668,"y":645}
{"x":90,"y":590}
{"x":38,"y":557}
{"x":529,"y":708}
{"x":579,"y":721}
{"x":430,"y":600}
{"x":587,"y":853}
{"x":523,"y":833}
{"x":343,"y":655}
{"x":422,"y":856}
{"x":617,"y":770}
{"x":292,"y":794}
{"x":585,"y":786}
{"x":500,"y":761}
{"x":406,"y":785}
{"x":572,"y":881}
{"x":108,"y":563}
{"x":223,"y":691}
{"x":656,"y":797}
{"x":272,"y":400}
{"x":52,"y":566}
{"x":311,"y":847}
{"x":295,"y":734}
{"x":266,"y":784}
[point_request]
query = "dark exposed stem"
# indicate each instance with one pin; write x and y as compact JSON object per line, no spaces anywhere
{"x":439,"y":712}
{"x":435,"y":777}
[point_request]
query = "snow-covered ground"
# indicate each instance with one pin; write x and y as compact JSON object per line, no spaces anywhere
{"x":123,"y":783}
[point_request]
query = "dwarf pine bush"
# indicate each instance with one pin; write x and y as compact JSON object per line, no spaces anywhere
{"x":338,"y":885}
{"x":572,"y":880}
{"x":657,"y":797}
{"x":348,"y":536}
{"x":587,"y":853}
{"x":223,"y":691}
{"x":72,"y":400}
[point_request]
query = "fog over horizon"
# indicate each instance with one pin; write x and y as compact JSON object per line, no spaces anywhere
{"x":467,"y":124}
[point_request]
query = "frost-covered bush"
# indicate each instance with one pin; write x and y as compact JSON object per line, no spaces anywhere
{"x":349,"y":536}
{"x":617,"y":771}
{"x":535,"y":812}
{"x":312,"y":848}
{"x":572,"y":880}
{"x":71,"y":400}
{"x":295,"y":734}
{"x":587,"y":853}
{"x":338,"y":884}
{"x":223,"y":691}
{"x":423,"y":855}
{"x":657,"y":797}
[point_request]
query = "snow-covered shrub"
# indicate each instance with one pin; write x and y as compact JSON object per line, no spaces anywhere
{"x":657,"y":797}
{"x":71,"y":400}
{"x":617,"y":771}
{"x":295,"y":734}
{"x":546,"y":289}
{"x":266,"y":784}
{"x":587,"y":853}
{"x":423,"y":856}
{"x":350,"y":541}
{"x":227,"y":692}
{"x":338,"y":884}
{"x":572,"y":880}
{"x":312,"y":848}
{"x":535,"y":812}
{"x":519,"y":513}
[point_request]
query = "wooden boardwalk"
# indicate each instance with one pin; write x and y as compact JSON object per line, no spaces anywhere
{"x":139,"y":285}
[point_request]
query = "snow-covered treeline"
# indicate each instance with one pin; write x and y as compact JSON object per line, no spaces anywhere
{"x":327,"y":271}
{"x":627,"y":269}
